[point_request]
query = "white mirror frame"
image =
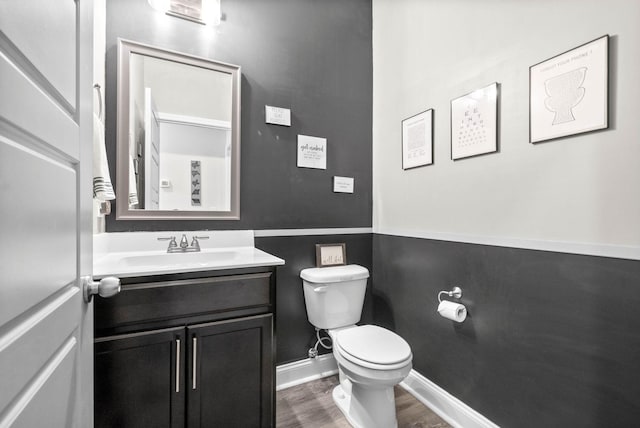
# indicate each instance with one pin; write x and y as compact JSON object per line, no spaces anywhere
{"x":123,"y":212}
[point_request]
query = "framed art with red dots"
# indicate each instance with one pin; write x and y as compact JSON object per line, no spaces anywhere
{"x":474,"y":123}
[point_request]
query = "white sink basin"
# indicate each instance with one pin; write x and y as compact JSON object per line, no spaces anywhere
{"x":180,"y":259}
{"x":141,"y":254}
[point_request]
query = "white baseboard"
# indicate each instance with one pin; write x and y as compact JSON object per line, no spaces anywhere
{"x":448,"y":407}
{"x":298,"y":372}
{"x":445,"y":405}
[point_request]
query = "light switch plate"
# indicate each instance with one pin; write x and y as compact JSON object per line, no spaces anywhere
{"x":277,"y":115}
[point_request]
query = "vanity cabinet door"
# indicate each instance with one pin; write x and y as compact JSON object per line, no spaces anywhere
{"x":139,"y":379}
{"x":230,"y":382}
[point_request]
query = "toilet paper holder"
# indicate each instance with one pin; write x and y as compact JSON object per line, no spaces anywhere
{"x":455,"y":292}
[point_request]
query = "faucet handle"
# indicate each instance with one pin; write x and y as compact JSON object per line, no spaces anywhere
{"x":171,"y":239}
{"x":195,"y":243}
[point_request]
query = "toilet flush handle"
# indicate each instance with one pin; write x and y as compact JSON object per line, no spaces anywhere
{"x":322,"y":289}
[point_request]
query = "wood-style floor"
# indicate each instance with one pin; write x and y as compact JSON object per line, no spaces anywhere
{"x":310,"y":405}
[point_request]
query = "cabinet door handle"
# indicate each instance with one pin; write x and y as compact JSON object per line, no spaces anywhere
{"x":195,"y":360}
{"x":177,"y":365}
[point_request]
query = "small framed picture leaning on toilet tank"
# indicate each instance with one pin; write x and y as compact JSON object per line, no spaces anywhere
{"x":568,"y":94}
{"x":330,"y":255}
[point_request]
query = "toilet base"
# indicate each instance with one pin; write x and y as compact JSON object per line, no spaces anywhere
{"x":367,"y":407}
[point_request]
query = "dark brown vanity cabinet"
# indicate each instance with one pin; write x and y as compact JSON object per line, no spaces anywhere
{"x":138,"y":381}
{"x":187,"y":350}
{"x":232,"y":384}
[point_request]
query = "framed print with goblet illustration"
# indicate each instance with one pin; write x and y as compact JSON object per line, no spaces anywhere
{"x":474,"y":123}
{"x":568,"y":94}
{"x":417,"y":140}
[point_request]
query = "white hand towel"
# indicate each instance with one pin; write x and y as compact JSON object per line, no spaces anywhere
{"x":102,"y":187}
{"x":133,"y":190}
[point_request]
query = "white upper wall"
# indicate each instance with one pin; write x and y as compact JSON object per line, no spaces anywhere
{"x":581,"y":189}
{"x":188,"y":90}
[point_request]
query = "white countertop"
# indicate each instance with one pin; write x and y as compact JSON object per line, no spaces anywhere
{"x":141,"y":254}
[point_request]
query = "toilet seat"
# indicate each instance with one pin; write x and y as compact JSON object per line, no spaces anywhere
{"x":373,"y":347}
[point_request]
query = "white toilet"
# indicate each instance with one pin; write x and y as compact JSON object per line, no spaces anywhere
{"x":371,"y":359}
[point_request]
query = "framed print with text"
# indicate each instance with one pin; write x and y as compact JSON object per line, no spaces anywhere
{"x":331,"y":255}
{"x":417,"y":140}
{"x":568,"y":94}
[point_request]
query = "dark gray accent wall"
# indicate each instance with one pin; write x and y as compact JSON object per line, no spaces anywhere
{"x":294,"y":334}
{"x":314,"y":57}
{"x":551,"y":339}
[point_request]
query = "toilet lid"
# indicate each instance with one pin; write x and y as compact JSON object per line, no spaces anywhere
{"x":334,"y":274}
{"x":374,"y":344}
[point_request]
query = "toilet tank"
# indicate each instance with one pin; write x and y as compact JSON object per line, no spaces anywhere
{"x":334,"y":295}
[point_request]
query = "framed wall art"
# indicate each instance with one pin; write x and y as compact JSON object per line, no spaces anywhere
{"x":330,"y":255}
{"x":568,"y":94}
{"x":417,"y":140}
{"x":474,"y":123}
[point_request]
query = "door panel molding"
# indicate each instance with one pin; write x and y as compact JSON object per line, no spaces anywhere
{"x":18,"y":360}
{"x":23,"y":63}
{"x":11,"y":135}
{"x":42,"y":257}
{"x":32,"y":395}
{"x":26,"y":106}
{"x":53,"y":49}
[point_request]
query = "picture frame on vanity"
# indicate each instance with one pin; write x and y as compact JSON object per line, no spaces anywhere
{"x":417,"y":140}
{"x":568,"y":93}
{"x":474,"y":123}
{"x":331,"y":255}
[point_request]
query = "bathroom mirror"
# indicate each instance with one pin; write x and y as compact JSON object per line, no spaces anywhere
{"x":178,"y":136}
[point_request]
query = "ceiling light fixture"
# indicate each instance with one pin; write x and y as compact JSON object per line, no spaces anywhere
{"x":206,"y":12}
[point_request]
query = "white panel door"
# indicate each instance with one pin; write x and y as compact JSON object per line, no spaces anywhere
{"x":46,"y":329}
{"x":151,"y":153}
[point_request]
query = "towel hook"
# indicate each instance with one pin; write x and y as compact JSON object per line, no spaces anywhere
{"x":98,"y":89}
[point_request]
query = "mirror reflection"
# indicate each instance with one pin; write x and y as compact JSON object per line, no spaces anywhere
{"x":181,"y":147}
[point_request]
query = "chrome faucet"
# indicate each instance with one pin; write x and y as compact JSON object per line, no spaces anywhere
{"x":184,"y":243}
{"x":173,"y":245}
{"x":195,"y":243}
{"x":184,"y":246}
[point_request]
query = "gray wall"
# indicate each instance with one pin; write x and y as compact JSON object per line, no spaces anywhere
{"x":312,"y":57}
{"x":294,"y":334}
{"x":550,"y":341}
